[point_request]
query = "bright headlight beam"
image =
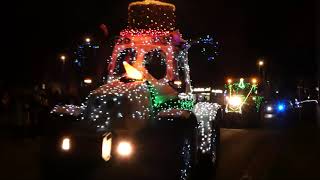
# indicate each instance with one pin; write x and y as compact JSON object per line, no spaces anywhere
{"x":106,"y":147}
{"x":235,"y":100}
{"x":124,"y":149}
{"x":269,"y":108}
{"x":66,"y":144}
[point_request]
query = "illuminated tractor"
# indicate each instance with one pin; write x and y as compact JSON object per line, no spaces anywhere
{"x":242,"y":103}
{"x":145,"y":115}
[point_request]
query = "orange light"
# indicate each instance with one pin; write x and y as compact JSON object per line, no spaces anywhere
{"x":254,"y":81}
{"x":88,"y":40}
{"x":132,"y":72}
{"x":87,"y":81}
{"x":178,"y":83}
{"x":229,"y":81}
{"x":66,"y":144}
{"x":106,"y":147}
{"x":63,"y":57}
{"x":235,"y":101}
{"x":261,"y":63}
{"x":153,"y":2}
{"x":124,"y":148}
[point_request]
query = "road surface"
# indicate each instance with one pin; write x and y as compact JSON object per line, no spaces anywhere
{"x":269,"y":154}
{"x":246,"y":154}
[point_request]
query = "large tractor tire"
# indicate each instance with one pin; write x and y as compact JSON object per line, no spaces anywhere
{"x":174,"y":151}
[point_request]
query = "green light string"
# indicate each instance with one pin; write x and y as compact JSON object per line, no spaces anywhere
{"x":241,"y":84}
{"x":160,"y":103}
{"x":245,"y":99}
{"x":258,"y":101}
{"x":230,"y":89}
{"x":236,"y":87}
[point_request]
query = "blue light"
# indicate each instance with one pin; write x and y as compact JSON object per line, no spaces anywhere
{"x":281,"y":107}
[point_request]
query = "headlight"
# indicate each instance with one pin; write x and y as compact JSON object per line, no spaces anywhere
{"x":66,"y":144}
{"x":106,"y":147}
{"x":235,"y":101}
{"x":269,"y":108}
{"x":124,"y":148}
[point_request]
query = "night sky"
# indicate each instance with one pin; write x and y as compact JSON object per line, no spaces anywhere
{"x":282,"y":32}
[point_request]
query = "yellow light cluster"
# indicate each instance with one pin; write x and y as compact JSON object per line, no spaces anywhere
{"x":253,"y":80}
{"x":235,"y":101}
{"x":106,"y":147}
{"x":124,"y":149}
{"x":66,"y":144}
{"x":132,"y":72}
{"x":142,"y":45}
{"x":154,"y":2}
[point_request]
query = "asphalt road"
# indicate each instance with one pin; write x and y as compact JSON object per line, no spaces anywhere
{"x":245,"y":154}
{"x":269,"y":154}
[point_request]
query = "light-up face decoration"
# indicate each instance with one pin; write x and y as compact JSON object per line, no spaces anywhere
{"x":150,"y":52}
{"x":144,"y":67}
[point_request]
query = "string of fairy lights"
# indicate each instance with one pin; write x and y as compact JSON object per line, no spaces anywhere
{"x":206,"y":113}
{"x":210,"y":46}
{"x":243,"y":90}
{"x":185,"y":154}
{"x":156,"y":15}
{"x":149,"y":37}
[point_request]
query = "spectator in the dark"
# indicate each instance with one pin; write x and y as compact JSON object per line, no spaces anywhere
{"x":35,"y":108}
{"x":5,"y":110}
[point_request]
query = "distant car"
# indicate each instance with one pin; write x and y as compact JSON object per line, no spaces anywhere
{"x":306,"y":103}
{"x":276,"y":109}
{"x":308,"y":110}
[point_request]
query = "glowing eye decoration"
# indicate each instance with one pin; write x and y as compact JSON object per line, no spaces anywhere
{"x":132,"y":72}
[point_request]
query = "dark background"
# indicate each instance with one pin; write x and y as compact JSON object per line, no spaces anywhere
{"x":284,"y":32}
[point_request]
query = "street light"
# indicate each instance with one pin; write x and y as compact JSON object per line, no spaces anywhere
{"x":88,"y":40}
{"x":254,"y":81}
{"x":261,"y":63}
{"x":261,"y":69}
{"x":87,"y":80}
{"x":63,"y":58}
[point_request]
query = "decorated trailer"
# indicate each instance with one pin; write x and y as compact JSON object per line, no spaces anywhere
{"x":145,"y":113}
{"x":242,"y":103}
